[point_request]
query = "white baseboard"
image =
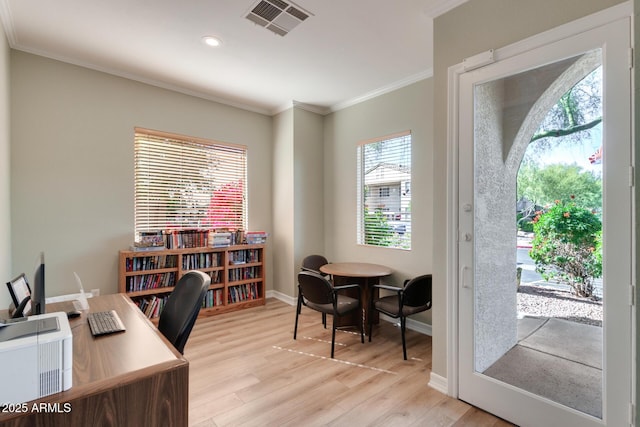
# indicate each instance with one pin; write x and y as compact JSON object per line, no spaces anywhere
{"x":438,"y":383}
{"x":282,"y":297}
{"x":414,"y":325}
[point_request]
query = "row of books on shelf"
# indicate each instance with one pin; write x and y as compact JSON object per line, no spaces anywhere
{"x":255,"y":237}
{"x":244,"y":256}
{"x":190,"y":261}
{"x":150,"y":281}
{"x":152,"y":262}
{"x":201,"y":260}
{"x":238,"y":274}
{"x":149,"y":241}
{"x":159,"y":280}
{"x":213,"y":298}
{"x":216,"y":276}
{"x":151,"y":306}
{"x":195,"y":238}
{"x":220,"y":239}
{"x":246,"y":292}
{"x":177,"y":239}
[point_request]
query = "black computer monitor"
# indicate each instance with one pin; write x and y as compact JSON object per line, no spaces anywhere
{"x":38,"y":294}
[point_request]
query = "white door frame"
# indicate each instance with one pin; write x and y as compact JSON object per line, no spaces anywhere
{"x":452,"y":274}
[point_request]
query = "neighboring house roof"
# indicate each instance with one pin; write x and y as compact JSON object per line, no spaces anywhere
{"x":387,"y":173}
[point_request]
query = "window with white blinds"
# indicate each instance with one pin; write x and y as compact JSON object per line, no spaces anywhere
{"x":188,"y":183}
{"x":384,"y":191}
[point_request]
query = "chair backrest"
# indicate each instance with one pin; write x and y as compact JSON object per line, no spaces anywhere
{"x":417,"y":291}
{"x":315,"y":288}
{"x":313,"y":263}
{"x":182,"y":307}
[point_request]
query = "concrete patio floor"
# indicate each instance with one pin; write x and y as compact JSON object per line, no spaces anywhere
{"x":556,"y":359}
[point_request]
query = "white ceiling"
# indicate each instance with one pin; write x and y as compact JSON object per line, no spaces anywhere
{"x":347,"y":51}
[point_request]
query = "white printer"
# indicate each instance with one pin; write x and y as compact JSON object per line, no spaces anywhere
{"x":36,"y":357}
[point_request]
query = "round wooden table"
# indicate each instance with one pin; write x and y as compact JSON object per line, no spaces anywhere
{"x":356,"y":269}
{"x":362,"y":273}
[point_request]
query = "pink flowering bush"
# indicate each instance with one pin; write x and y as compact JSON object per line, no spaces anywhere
{"x":567,"y":246}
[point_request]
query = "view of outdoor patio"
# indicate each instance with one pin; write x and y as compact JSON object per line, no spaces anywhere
{"x":559,"y":256}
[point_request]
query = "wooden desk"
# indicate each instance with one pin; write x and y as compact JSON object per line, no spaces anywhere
{"x":134,"y":378}
{"x":362,"y":273}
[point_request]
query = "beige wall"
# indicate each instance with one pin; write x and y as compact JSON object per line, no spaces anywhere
{"x":298,"y":195}
{"x":308,"y":165}
{"x":72,"y":164}
{"x":408,"y":108}
{"x":5,"y":168}
{"x":471,"y":28}
{"x":283,"y":212}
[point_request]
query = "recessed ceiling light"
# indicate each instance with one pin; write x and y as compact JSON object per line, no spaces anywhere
{"x":211,"y":41}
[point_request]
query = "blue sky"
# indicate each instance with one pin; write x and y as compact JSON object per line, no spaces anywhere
{"x":575,"y":153}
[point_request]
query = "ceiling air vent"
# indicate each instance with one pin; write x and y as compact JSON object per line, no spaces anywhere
{"x":277,"y":16}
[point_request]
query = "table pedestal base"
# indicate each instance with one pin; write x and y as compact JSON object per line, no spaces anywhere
{"x":366,"y":285}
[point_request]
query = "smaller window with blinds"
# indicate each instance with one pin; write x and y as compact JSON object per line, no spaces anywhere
{"x":188,"y":183}
{"x":384,"y":196}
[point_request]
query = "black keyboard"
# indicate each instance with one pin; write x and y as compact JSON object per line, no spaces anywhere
{"x":104,"y":322}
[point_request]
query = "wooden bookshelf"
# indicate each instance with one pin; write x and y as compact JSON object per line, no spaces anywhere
{"x":237,"y":276}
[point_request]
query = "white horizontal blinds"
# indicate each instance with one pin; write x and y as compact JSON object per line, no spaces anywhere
{"x":384,"y":191}
{"x":186,"y":183}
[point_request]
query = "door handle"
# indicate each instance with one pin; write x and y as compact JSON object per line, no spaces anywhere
{"x":463,"y":276}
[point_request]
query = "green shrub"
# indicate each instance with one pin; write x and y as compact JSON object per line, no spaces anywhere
{"x":524,"y":224}
{"x":567,"y":246}
{"x":377,"y":230}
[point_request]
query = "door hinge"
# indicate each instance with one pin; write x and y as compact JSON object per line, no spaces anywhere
{"x":632,"y":414}
{"x":632,"y":295}
{"x":630,"y":58}
{"x":632,"y":176}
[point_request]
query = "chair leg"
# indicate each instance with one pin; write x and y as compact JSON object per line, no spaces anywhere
{"x":324,"y":320}
{"x":362,"y":326}
{"x":403,"y":321}
{"x":333,"y":334}
{"x":295,"y":329}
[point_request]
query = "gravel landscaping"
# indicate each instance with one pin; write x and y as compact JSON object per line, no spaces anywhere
{"x":542,"y":301}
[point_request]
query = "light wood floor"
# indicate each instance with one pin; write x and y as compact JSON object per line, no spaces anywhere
{"x":247,"y":370}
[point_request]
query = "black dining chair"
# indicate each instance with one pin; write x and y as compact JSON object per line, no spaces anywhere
{"x":414,"y":297}
{"x":316,"y":292}
{"x":182,"y":307}
{"x":313,"y":263}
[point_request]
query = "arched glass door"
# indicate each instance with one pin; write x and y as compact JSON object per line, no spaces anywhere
{"x":553,"y":371}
